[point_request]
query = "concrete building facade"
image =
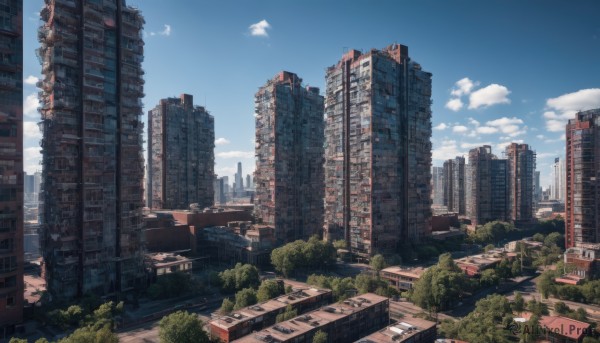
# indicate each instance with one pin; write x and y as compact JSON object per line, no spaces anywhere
{"x":377,"y":150}
{"x":521,"y":172}
{"x":582,"y":222}
{"x":181,"y":142}
{"x":11,"y":170}
{"x":488,"y":196}
{"x":93,"y":163}
{"x":437,"y":185}
{"x":289,"y":157}
{"x":558,"y":187}
{"x":454,"y":185}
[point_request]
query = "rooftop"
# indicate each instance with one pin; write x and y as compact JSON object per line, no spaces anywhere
{"x":415,"y":272}
{"x":399,"y":332}
{"x":165,"y":259}
{"x":567,"y":327}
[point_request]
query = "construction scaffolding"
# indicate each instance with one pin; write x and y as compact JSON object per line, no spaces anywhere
{"x":377,"y":150}
{"x":91,"y":54}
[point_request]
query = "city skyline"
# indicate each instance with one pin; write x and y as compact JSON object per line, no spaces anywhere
{"x":508,"y":70}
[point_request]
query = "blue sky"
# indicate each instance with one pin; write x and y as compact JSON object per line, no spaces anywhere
{"x":502,"y":70}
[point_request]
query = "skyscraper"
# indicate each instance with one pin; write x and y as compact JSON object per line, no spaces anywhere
{"x":558,"y":179}
{"x":288,"y":179}
{"x":454,"y":185}
{"x":181,"y":142}
{"x":239,"y":180}
{"x":93,"y":164}
{"x":521,"y":170}
{"x":437,"y":185}
{"x":488,"y":196}
{"x":11,"y":192}
{"x":377,"y":150}
{"x":582,"y":223}
{"x":248,"y":181}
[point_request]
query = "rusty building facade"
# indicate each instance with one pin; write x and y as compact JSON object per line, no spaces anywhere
{"x":289,"y":157}
{"x":454,"y":185}
{"x":582,"y":224}
{"x":377,"y":150}
{"x":488,"y":195}
{"x":11,"y":167}
{"x":521,"y":172}
{"x":181,"y":158}
{"x":93,"y":164}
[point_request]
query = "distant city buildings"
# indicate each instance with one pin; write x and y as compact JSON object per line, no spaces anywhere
{"x":11,"y":190}
{"x":558,"y":176}
{"x":582,"y":224}
{"x":377,"y":150}
{"x":454,"y":185}
{"x":521,"y":170}
{"x":437,"y":185}
{"x":180,"y":154}
{"x":289,"y":157}
{"x":239,"y":180}
{"x":92,"y":155}
{"x":488,"y":196}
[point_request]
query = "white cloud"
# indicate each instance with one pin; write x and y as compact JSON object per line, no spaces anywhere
{"x":505,"y":121}
{"x":454,"y":104}
{"x":236,"y":154}
{"x":463,"y":87}
{"x":488,"y":96}
{"x":166,"y":31}
{"x":31,"y":130}
{"x":460,"y":129}
{"x":539,"y":136}
{"x":224,"y":171}
{"x":546,"y":154}
{"x":564,"y":107}
{"x":30,"y":105}
{"x":441,"y":126}
{"x":222,"y":141}
{"x":31,"y":80}
{"x":508,"y":126}
{"x":31,"y":160}
{"x":473,"y":122}
{"x":467,"y":145}
{"x":447,"y":149}
{"x":486,"y":130}
{"x":260,"y":28}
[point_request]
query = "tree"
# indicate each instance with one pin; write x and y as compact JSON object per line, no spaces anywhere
{"x":17,"y":340}
{"x":320,"y":337}
{"x":537,"y":308}
{"x":515,"y":268}
{"x":288,"y":314}
{"x":239,"y":277}
{"x":269,"y":289}
{"x":244,"y":298}
{"x":581,"y":315}
{"x":518,"y":304}
{"x":340,"y":244}
{"x":226,"y":307}
{"x":489,"y":278}
{"x":545,"y":284}
{"x":489,"y":247}
{"x":554,"y":239}
{"x":181,"y":327}
{"x":530,"y":331}
{"x":377,"y":263}
{"x":561,"y":308}
{"x":90,"y":334}
{"x":538,"y":237}
{"x":312,"y":254}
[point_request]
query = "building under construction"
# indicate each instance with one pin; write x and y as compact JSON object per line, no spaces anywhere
{"x":289,"y":157}
{"x":11,"y":166}
{"x":521,"y":172}
{"x":583,"y":179}
{"x":488,"y":195}
{"x":454,"y":185}
{"x":181,"y":158}
{"x":377,"y":150}
{"x":93,"y":167}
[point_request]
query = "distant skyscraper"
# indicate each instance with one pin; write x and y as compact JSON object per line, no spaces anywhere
{"x":289,"y":157}
{"x":11,"y":192}
{"x":454,"y":185}
{"x":93,"y":163}
{"x":437,"y":190}
{"x":248,"y":181}
{"x":583,"y":179}
{"x":521,"y":170}
{"x":239,"y":180}
{"x":488,"y":186}
{"x":377,"y":150}
{"x":558,"y":179}
{"x":181,"y":141}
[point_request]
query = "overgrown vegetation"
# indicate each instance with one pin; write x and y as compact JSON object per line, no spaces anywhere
{"x":239,"y":277}
{"x":587,"y":293}
{"x":300,"y":255}
{"x":174,"y":285}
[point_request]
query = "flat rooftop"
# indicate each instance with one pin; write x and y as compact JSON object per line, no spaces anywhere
{"x":415,"y":272}
{"x":399,"y":332}
{"x":480,"y":260}
{"x":164,"y":259}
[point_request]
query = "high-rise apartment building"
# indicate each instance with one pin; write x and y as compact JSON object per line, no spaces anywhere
{"x":11,"y":192}
{"x":558,"y":187}
{"x":437,"y":185}
{"x":582,"y":224}
{"x":288,"y":179}
{"x":521,"y":170}
{"x":454,"y":185}
{"x":488,"y":196}
{"x":239,"y":180}
{"x":93,"y":163}
{"x":181,"y":142}
{"x":537,"y":189}
{"x":377,"y":150}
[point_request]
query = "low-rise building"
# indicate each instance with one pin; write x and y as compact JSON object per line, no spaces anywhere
{"x":347,"y":321}
{"x":238,"y":242}
{"x":408,"y":330}
{"x":528,"y":241}
{"x":584,"y":260}
{"x":256,"y":317}
{"x":473,"y":265}
{"x":402,"y":278}
{"x":558,"y":329}
{"x":167,"y":263}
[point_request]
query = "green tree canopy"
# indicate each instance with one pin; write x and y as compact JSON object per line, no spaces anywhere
{"x":269,"y":289}
{"x":312,"y":254}
{"x":320,"y":337}
{"x":182,"y":327}
{"x":239,"y":277}
{"x":245,"y":298}
{"x":377,"y":263}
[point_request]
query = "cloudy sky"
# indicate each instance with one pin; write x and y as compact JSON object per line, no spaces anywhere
{"x":503,"y":71}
